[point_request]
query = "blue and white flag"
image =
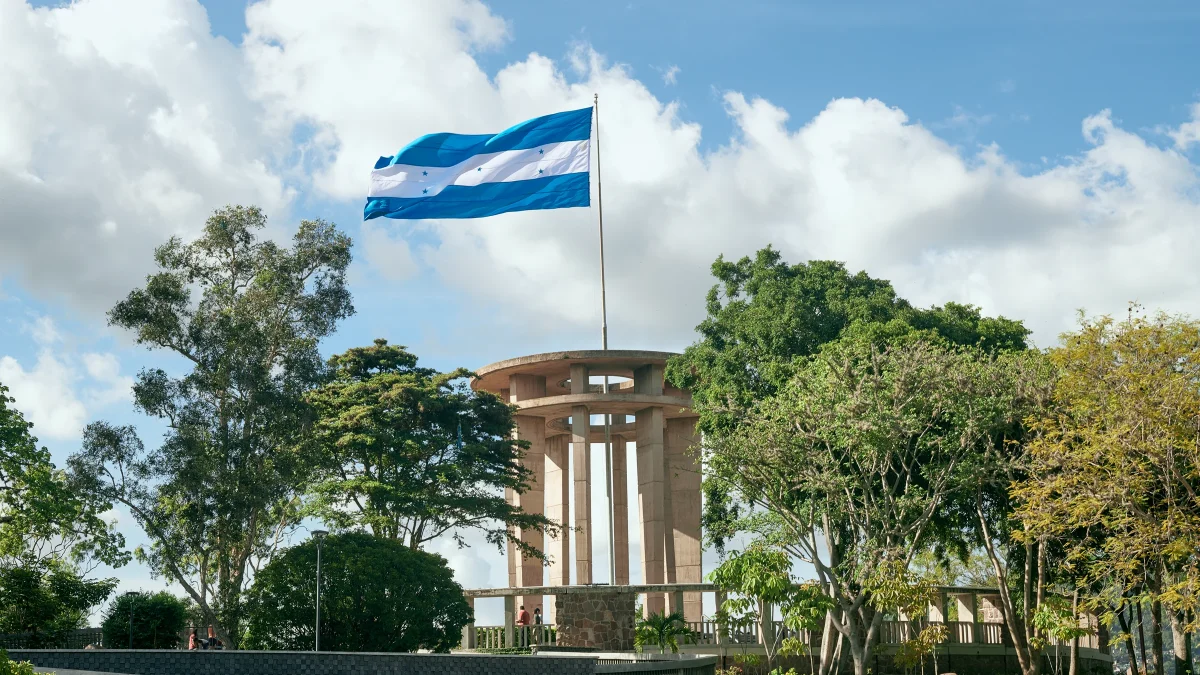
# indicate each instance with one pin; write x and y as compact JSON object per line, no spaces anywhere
{"x":538,"y":164}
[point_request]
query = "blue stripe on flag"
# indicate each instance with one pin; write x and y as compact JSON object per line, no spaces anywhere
{"x":487,"y":199}
{"x":441,"y":150}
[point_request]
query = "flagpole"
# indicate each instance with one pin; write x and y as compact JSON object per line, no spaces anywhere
{"x":608,"y":449}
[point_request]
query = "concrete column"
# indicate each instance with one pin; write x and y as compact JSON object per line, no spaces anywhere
{"x":529,"y":569}
{"x":648,"y":380}
{"x":683,"y":477}
{"x":650,"y":500}
{"x":511,"y":557}
{"x":468,"y":631}
{"x":966,"y":614}
{"x":510,"y":620}
{"x":937,"y":608}
{"x":676,"y":602}
{"x":581,"y":461}
{"x":558,"y":509}
{"x":720,"y":627}
{"x":766,"y":634}
{"x":621,"y":508}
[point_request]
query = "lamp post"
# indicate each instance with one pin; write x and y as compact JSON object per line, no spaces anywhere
{"x":319,"y":535}
{"x":131,"y":595}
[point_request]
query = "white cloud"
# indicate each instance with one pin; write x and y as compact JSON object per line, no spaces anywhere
{"x":60,"y":391}
{"x":122,"y":122}
{"x":859,"y":182}
{"x":670,"y":75}
{"x":1188,"y":133}
{"x":45,"y":395}
{"x":180,"y":121}
{"x":390,"y":256}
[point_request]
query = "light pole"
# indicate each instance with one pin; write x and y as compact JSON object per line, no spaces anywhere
{"x":131,"y":595}
{"x":319,"y":535}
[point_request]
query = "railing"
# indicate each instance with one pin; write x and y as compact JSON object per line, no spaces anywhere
{"x":492,"y":637}
{"x":72,"y":639}
{"x":705,"y":633}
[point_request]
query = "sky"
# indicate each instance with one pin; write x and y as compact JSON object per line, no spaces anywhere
{"x":1032,"y":159}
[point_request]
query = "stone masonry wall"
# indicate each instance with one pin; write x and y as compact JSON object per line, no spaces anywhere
{"x":602,"y":619}
{"x":179,"y":662}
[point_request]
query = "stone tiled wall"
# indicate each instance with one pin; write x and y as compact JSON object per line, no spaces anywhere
{"x":603,"y":620}
{"x":178,"y":662}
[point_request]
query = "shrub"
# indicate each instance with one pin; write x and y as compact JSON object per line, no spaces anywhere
{"x":377,"y":595}
{"x":10,"y":667}
{"x":158,"y":620}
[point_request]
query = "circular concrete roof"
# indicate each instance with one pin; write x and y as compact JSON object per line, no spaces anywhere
{"x":556,"y":366}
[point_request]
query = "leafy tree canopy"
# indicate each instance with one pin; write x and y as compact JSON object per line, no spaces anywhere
{"x":848,"y":463}
{"x":245,"y":315}
{"x":411,"y":453}
{"x":158,"y":621}
{"x":47,"y":599}
{"x":41,"y":515}
{"x":377,"y":595}
{"x":765,"y":315}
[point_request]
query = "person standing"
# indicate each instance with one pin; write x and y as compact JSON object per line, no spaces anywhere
{"x":522,"y":617}
{"x":193,"y":640}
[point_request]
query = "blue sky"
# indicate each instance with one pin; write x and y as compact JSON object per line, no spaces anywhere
{"x":1033,"y":160}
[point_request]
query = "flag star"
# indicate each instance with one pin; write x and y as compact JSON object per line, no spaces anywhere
{"x":425,"y":191}
{"x":540,"y":151}
{"x":424,"y":173}
{"x":479,"y":168}
{"x":539,"y":171}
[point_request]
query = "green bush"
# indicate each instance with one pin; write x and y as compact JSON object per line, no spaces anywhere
{"x":158,"y":620}
{"x":46,"y":599}
{"x":377,"y":595}
{"x":10,"y":667}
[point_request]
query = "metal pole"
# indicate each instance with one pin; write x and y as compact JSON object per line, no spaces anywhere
{"x":608,"y":472}
{"x":131,"y":622}
{"x":317,"y":646}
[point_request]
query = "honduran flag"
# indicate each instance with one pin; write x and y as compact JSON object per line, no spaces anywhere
{"x":538,"y":164}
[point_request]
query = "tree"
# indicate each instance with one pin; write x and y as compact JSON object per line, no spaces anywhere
{"x":224,"y":488}
{"x":158,"y":621}
{"x":761,"y":579}
{"x":661,"y":630}
{"x":377,"y":595}
{"x":412,"y":454}
{"x":851,"y":459}
{"x":41,"y":516}
{"x":46,"y":599}
{"x":1118,"y":459}
{"x":764,"y":316}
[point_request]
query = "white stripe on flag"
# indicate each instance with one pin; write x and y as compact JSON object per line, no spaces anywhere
{"x":553,"y":159}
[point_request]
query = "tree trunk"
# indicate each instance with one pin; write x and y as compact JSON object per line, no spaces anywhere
{"x":1179,"y":646}
{"x":830,"y":638}
{"x":1129,"y":647}
{"x":1156,"y":638}
{"x":1142,"y":634}
{"x":1074,"y":667}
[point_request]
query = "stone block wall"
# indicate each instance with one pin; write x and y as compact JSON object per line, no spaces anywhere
{"x":602,"y":619}
{"x":179,"y":662}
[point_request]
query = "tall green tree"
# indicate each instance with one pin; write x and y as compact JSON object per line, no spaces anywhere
{"x":1118,"y":458}
{"x":765,"y":316}
{"x":851,"y":459}
{"x":46,"y":599}
{"x":377,"y":595}
{"x":412,"y":454}
{"x":244,"y":316}
{"x":42,"y":517}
